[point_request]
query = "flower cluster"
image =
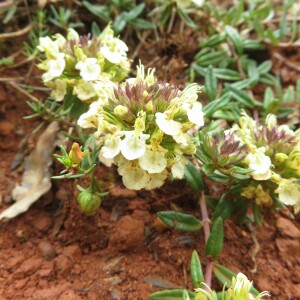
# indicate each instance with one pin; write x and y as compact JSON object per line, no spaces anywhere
{"x":239,"y":290}
{"x":273,"y":158}
{"x":83,"y":65}
{"x":143,"y":128}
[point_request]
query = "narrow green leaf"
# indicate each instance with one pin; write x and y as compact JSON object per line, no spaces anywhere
{"x":242,"y":97}
{"x":175,"y":294}
{"x":235,"y":38}
{"x":224,"y":276}
{"x":142,"y":24}
{"x":180,"y":221}
{"x":100,"y":11}
{"x":253,"y":72}
{"x":214,"y":40}
{"x":211,"y":84}
{"x":193,"y":177}
{"x":186,"y":19}
{"x":253,"y":45}
{"x":120,"y":22}
{"x":196,"y":270}
{"x":227,"y":74}
{"x":185,"y":295}
{"x":214,"y":244}
{"x":134,"y":13}
{"x":298,"y":90}
{"x":265,"y":67}
{"x":215,"y":105}
{"x":210,"y":58}
{"x":258,"y":218}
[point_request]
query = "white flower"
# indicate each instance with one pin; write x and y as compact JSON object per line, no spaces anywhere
{"x":195,"y":114}
{"x":59,"y":89}
{"x":88,"y":120}
{"x":133,"y":146}
{"x":111,"y":147}
{"x":178,"y":170}
{"x":84,"y":90}
{"x":155,"y":180}
{"x":153,"y":161}
{"x":260,"y":164}
{"x":55,"y":68}
{"x":289,"y":193}
{"x":166,"y":125}
{"x":134,"y":177}
{"x":89,"y":69}
{"x":48,"y":46}
{"x":114,"y":50}
{"x":107,"y":162}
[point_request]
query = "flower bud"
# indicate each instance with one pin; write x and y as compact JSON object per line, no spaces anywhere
{"x":280,"y":158}
{"x":89,"y":201}
{"x":76,"y":155}
{"x":120,"y":110}
{"x":271,"y":121}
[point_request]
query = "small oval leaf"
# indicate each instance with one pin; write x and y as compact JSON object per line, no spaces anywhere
{"x":180,"y":221}
{"x":196,"y":270}
{"x":214,"y":244}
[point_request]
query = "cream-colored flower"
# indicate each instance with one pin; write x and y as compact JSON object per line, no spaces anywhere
{"x":48,"y":46}
{"x":133,"y":146}
{"x":260,"y":164}
{"x":59,"y":89}
{"x":111,"y":146}
{"x":73,"y":35}
{"x":195,"y":114}
{"x":114,"y":51}
{"x":153,"y":161}
{"x":156,"y":180}
{"x":167,"y":125}
{"x":84,"y":90}
{"x":89,"y":69}
{"x":289,"y":193}
{"x":55,"y":68}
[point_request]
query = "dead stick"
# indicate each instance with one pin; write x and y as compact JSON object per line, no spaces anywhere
{"x":16,"y":33}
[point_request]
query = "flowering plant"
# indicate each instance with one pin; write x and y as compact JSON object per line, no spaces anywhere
{"x":83,"y":65}
{"x":265,"y":157}
{"x":143,"y":128}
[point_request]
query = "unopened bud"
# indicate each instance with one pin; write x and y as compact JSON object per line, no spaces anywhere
{"x":120,"y":110}
{"x":89,"y":201}
{"x":76,"y":155}
{"x":280,"y":158}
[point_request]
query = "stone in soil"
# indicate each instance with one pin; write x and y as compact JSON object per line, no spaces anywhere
{"x":69,"y":294}
{"x":287,"y":228}
{"x":73,"y":252}
{"x":288,"y":249}
{"x":47,"y":250}
{"x":28,"y":267}
{"x":62,"y":265}
{"x":128,"y":234}
{"x":6,"y":128}
{"x":42,"y":222}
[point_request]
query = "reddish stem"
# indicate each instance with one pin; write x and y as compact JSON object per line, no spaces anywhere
{"x":205,"y":222}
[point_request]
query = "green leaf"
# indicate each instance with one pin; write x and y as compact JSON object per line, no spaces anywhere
{"x":214,"y":40}
{"x":224,"y":276}
{"x":210,"y":58}
{"x":227,"y":74}
{"x":180,"y":221}
{"x":120,"y":22}
{"x":185,"y":295}
{"x":265,"y":67}
{"x":193,"y":177}
{"x":258,"y":218}
{"x":175,"y":294}
{"x":134,"y":13}
{"x":253,"y":45}
{"x":10,"y":14}
{"x":95,"y":29}
{"x":196,"y":270}
{"x":252,"y":71}
{"x":186,"y":19}
{"x":298,"y":90}
{"x":235,"y":38}
{"x":242,"y":97}
{"x":215,"y":105}
{"x":142,"y":24}
{"x":214,"y":244}
{"x":211,"y":84}
{"x":100,"y":11}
